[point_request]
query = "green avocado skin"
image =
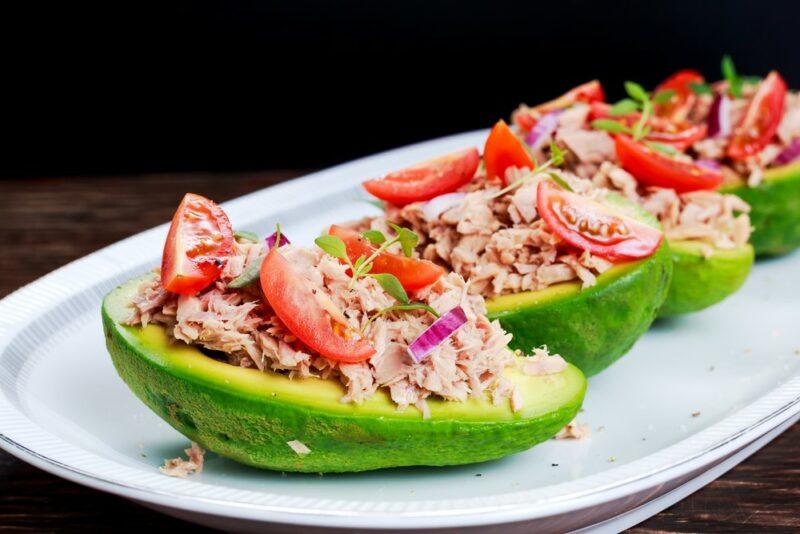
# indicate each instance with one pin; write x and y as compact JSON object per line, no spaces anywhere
{"x":699,"y":282}
{"x":255,"y":431}
{"x":775,"y":210}
{"x":594,"y":328}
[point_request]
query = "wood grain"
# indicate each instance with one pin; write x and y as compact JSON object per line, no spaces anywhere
{"x":49,"y":222}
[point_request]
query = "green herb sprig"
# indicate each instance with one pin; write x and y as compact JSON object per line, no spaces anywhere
{"x":557,"y":155}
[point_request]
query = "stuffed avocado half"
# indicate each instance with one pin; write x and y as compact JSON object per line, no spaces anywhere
{"x":300,"y":359}
{"x":250,"y":416}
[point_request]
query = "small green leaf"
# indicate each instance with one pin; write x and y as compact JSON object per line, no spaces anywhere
{"x":636,"y":91}
{"x":375,"y":237}
{"x":359,"y":262}
{"x":701,"y":88}
{"x":249,"y":275}
{"x":560,"y":181}
{"x":392,"y":285}
{"x":646,"y":131}
{"x":728,"y":68}
{"x":556,"y":154}
{"x":623,"y":107}
{"x":380,"y":204}
{"x":407,"y":238}
{"x":411,"y":306}
{"x":333,"y":245}
{"x":610,"y":126}
{"x":244,"y":235}
{"x":662,"y":97}
{"x":661,"y":147}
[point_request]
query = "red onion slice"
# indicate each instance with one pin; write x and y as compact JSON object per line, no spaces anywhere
{"x":790,"y":154}
{"x":543,"y":130}
{"x":708,"y":164}
{"x":438,"y":205}
{"x":441,"y":329}
{"x":719,"y":117}
{"x":271,"y":240}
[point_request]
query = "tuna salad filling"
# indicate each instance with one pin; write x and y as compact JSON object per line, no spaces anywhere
{"x":235,"y":323}
{"x":705,"y":216}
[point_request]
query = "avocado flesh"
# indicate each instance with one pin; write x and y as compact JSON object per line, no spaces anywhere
{"x":775,"y":209}
{"x":593,"y":327}
{"x":699,"y":281}
{"x":249,"y":415}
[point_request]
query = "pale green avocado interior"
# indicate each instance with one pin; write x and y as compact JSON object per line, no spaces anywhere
{"x":540,"y":394}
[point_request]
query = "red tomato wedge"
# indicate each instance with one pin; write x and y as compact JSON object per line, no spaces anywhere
{"x":761,"y":120}
{"x":413,"y":273}
{"x":503,"y":150}
{"x":588,"y":92}
{"x":290,"y":296}
{"x":426,"y":180}
{"x":199,"y":243}
{"x":589,"y":225}
{"x":656,"y":169}
{"x":679,"y":135}
{"x":678,"y":107}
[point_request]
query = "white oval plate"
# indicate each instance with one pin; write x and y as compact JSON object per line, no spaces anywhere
{"x":692,"y":398}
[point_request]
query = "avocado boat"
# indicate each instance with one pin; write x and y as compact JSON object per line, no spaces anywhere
{"x":250,"y":415}
{"x":595,"y":326}
{"x":775,"y":204}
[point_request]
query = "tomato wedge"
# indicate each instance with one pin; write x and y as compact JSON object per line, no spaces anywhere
{"x":589,"y":225}
{"x":503,"y":150}
{"x":588,"y":92}
{"x":761,"y":120}
{"x":679,"y":106}
{"x":290,"y":296}
{"x":199,"y":243}
{"x":413,"y":273}
{"x":426,"y":180}
{"x":678,"y":135}
{"x":656,"y":169}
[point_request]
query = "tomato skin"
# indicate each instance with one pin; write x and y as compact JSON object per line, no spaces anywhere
{"x":290,"y":297}
{"x":413,"y":274}
{"x":637,"y":241}
{"x":503,"y":149}
{"x":761,"y":120}
{"x":678,"y":107}
{"x":678,"y":135}
{"x":588,"y":92}
{"x":654,"y":169}
{"x":426,"y":180}
{"x":199,"y":243}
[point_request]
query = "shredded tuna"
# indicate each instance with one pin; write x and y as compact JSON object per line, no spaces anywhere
{"x":573,"y":430}
{"x":298,"y":447}
{"x":239,"y":324}
{"x":542,"y":363}
{"x":180,"y":468}
{"x":716,"y":219}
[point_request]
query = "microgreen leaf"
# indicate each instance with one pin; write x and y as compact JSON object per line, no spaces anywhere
{"x":249,"y":275}
{"x":556,"y":154}
{"x":701,"y":88}
{"x":636,"y":91}
{"x":662,"y":97}
{"x":380,"y":204}
{"x":375,"y":237}
{"x":623,"y":107}
{"x":411,"y":306}
{"x":661,"y":147}
{"x":333,"y":245}
{"x":560,"y":181}
{"x":729,"y":72}
{"x":244,"y":235}
{"x":392,"y":285}
{"x":407,"y":238}
{"x":610,"y":126}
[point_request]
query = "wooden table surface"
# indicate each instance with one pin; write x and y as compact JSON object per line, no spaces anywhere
{"x":49,"y":222}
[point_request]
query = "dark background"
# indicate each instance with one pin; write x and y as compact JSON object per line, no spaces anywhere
{"x":137,"y":86}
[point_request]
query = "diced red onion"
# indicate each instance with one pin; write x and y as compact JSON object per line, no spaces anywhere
{"x":271,"y":240}
{"x":790,"y":153}
{"x":708,"y":164}
{"x":543,"y":130}
{"x":438,"y":205}
{"x":441,"y":329}
{"x":719,"y":117}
